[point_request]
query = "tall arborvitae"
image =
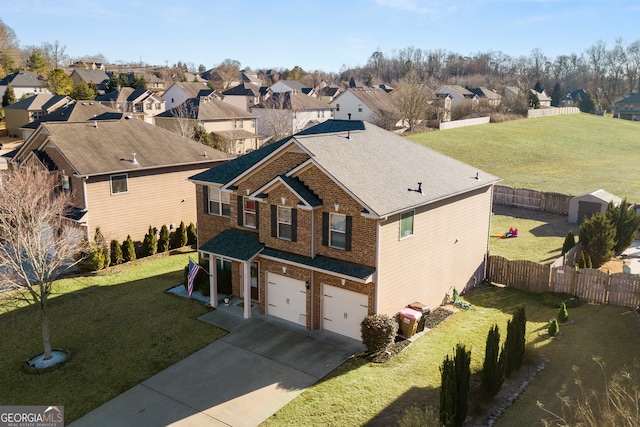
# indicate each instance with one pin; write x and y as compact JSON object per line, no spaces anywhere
{"x":569,"y":242}
{"x":447,"y":392}
{"x":164,"y":240}
{"x":150,"y":243}
{"x":454,"y":392}
{"x":492,"y":370}
{"x":116,"y":253}
{"x":128,"y":250}
{"x":512,"y":355}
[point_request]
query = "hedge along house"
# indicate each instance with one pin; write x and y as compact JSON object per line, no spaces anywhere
{"x":343,"y":220}
{"x":125,"y":175}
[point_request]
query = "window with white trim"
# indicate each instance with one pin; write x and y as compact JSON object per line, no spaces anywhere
{"x":249,"y":213}
{"x":284,"y":223}
{"x":119,"y":183}
{"x":337,"y":230}
{"x":406,"y":224}
{"x":219,"y":202}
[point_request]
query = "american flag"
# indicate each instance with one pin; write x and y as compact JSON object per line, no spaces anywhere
{"x":191,"y":276}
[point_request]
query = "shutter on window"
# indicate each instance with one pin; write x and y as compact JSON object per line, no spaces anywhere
{"x":257,"y":215}
{"x":205,"y":198}
{"x":274,"y":221}
{"x":347,"y":243}
{"x":240,"y":211}
{"x":294,"y":225}
{"x":325,"y":228}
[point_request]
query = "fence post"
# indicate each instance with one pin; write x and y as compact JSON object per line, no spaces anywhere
{"x":608,"y":287}
{"x":574,"y":278}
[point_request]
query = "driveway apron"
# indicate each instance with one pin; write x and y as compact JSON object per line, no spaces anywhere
{"x":239,"y":380}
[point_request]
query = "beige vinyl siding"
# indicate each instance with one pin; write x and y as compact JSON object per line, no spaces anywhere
{"x":14,"y":119}
{"x":152,"y":199}
{"x":426,"y":266}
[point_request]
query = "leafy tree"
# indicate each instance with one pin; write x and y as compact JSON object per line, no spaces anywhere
{"x":569,"y":242}
{"x":59,"y":82}
{"x":556,"y":95}
{"x":9,"y":49}
{"x":201,"y":135}
{"x":114,"y":83}
{"x":538,"y":87}
{"x":36,"y":63}
{"x":128,"y":250}
{"x":164,"y":239}
{"x":492,"y":370}
{"x":150,"y":243}
{"x":9,"y":97}
{"x":37,"y":240}
{"x":587,"y":105}
{"x":626,"y":222}
{"x":598,"y":238}
{"x":116,"y":253}
{"x":532,"y":100}
{"x":137,"y":82}
{"x":83,"y":91}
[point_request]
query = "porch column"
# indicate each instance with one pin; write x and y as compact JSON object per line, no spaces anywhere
{"x":247,"y":289}
{"x":213,"y":282}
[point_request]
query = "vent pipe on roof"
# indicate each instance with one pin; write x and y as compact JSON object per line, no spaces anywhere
{"x":95,"y":123}
{"x":134,"y":160}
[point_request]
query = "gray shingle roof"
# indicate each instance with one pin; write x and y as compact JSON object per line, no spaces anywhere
{"x":357,"y":271}
{"x":378,"y":100}
{"x":39,"y":102}
{"x":98,"y":77}
{"x":634,"y":98}
{"x":379,"y":168}
{"x":235,"y":244}
{"x":108,"y":147}
{"x":23,"y":78}
{"x":294,"y":101}
{"x":207,"y":108}
{"x":79,"y":111}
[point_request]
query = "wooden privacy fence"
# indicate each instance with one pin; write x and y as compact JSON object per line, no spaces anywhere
{"x":592,"y":285}
{"x":531,"y":199}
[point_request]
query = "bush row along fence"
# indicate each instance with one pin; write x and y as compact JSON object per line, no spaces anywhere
{"x":463,"y":123}
{"x":588,"y":284}
{"x":554,"y":111}
{"x":531,"y":199}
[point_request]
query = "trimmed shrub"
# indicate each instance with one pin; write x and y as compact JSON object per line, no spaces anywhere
{"x":150,"y":243}
{"x":563,"y":314}
{"x":180,"y":236}
{"x":98,"y":238}
{"x":164,"y":240}
{"x":201,"y":283}
{"x":116,"y":253}
{"x":598,"y":238}
{"x":582,"y":261}
{"x":492,"y":370}
{"x":553,"y":328}
{"x":569,"y":242}
{"x":128,"y":250}
{"x":378,"y":332}
{"x":93,"y":259}
{"x":192,"y":234}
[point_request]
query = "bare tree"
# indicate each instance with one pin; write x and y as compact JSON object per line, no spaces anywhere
{"x":54,"y":54}
{"x":412,"y":101}
{"x":229,"y":72}
{"x":9,"y":49}
{"x":37,"y":242}
{"x":184,"y":124}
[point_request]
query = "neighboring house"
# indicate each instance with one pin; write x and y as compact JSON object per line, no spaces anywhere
{"x":341,"y":221}
{"x":88,"y":65}
{"x":250,"y":77}
{"x":289,"y":86}
{"x":458,"y":94}
{"x":236,"y":127}
{"x":245,"y":95}
{"x":573,"y":99}
{"x":140,"y":103}
{"x":628,"y":108}
{"x":24,"y":83}
{"x":327,"y":93}
{"x":511,"y":92}
{"x":154,"y":83}
{"x":76,"y":111}
{"x":268,"y":75}
{"x":543,"y":98}
{"x":190,"y":77}
{"x":32,"y":109}
{"x":363,"y":104}
{"x":179,"y":92}
{"x":125,"y":175}
{"x":491,"y":96}
{"x":97,"y":77}
{"x":285,"y":113}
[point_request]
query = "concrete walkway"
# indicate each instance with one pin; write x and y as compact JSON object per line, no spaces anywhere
{"x":239,"y":380}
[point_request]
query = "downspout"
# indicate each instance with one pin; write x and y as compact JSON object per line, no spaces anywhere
{"x":376,"y":274}
{"x":85,"y":201}
{"x":213,"y":281}
{"x":247,"y":288}
{"x":313,"y":234}
{"x":486,"y":254}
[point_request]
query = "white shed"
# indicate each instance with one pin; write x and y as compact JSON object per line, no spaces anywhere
{"x":581,"y":207}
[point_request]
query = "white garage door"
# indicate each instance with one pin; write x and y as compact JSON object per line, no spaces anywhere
{"x":287,"y":298}
{"x":343,"y":311}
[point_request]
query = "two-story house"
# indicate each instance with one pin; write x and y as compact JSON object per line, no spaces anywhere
{"x":368,"y":104}
{"x":140,"y":103}
{"x":628,"y":108}
{"x":23,"y":83}
{"x":340,"y":221}
{"x":32,"y":109}
{"x":245,"y":95}
{"x":124,"y":175}
{"x":179,"y":92}
{"x":98,"y":77}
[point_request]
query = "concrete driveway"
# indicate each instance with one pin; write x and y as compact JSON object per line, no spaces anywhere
{"x":239,"y":380}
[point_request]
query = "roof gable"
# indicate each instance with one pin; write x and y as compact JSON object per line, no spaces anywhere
{"x":23,"y":78}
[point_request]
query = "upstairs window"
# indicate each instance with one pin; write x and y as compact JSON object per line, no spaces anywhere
{"x":406,"y":224}
{"x":219,"y":203}
{"x":284,"y":223}
{"x":119,"y":183}
{"x":359,"y":108}
{"x":250,"y":215}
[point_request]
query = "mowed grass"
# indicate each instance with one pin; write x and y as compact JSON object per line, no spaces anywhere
{"x":363,"y":393}
{"x":573,"y":154}
{"x":540,"y":234}
{"x":120,"y":327}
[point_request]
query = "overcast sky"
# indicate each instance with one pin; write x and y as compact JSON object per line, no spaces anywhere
{"x":324,"y":35}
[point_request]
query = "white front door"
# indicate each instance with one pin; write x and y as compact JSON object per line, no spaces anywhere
{"x":343,"y":311}
{"x":287,"y":298}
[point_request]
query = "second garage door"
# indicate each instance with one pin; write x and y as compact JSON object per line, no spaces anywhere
{"x":343,"y":311}
{"x":287,"y":298}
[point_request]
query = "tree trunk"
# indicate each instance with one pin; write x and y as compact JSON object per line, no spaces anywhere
{"x":46,"y":336}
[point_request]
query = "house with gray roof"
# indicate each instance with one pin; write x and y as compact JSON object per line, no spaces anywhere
{"x":489,"y":95}
{"x":24,"y":83}
{"x":124,"y":175}
{"x":340,"y":221}
{"x":179,"y":92}
{"x":458,"y":94}
{"x":141,"y":103}
{"x":32,"y":109}
{"x":245,"y":95}
{"x":97,"y":77}
{"x":289,"y":86}
{"x":369,"y":104}
{"x":628,"y":108}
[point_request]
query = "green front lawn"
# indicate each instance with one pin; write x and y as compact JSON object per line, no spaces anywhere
{"x":573,"y":154}
{"x":359,"y":392}
{"x":120,"y":326}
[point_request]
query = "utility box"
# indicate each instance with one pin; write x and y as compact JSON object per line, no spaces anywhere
{"x":417,"y":306}
{"x":409,"y":319}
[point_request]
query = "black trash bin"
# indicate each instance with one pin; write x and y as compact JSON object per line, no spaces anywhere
{"x":419,"y":307}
